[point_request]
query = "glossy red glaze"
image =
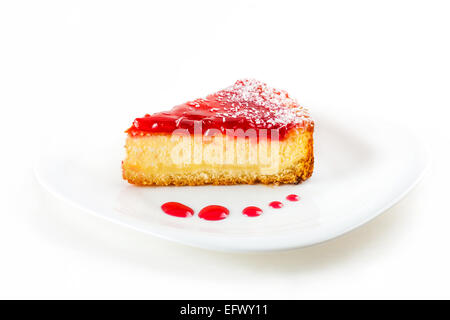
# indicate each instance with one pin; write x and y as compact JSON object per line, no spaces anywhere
{"x":252,"y":211}
{"x":214,"y":213}
{"x":248,"y":104}
{"x":276,"y":204}
{"x":177,"y":209}
{"x":293,"y":197}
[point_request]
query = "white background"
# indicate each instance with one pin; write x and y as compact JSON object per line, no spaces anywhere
{"x":88,"y":62}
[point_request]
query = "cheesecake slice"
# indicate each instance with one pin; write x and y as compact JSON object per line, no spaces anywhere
{"x":245,"y":134}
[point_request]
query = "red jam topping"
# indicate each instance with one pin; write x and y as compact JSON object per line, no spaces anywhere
{"x":252,"y":211}
{"x":248,"y":104}
{"x":214,"y":213}
{"x":276,"y":204}
{"x":293,"y":197}
{"x":177,"y":209}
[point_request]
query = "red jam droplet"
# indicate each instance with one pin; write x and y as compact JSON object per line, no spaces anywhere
{"x":177,"y":209}
{"x":252,"y":211}
{"x":293,"y":197}
{"x":276,"y":204}
{"x":214,"y":213}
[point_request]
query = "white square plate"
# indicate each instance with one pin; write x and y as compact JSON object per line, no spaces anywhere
{"x":363,"y":166}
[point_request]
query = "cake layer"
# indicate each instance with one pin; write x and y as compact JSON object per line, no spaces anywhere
{"x":163,"y":159}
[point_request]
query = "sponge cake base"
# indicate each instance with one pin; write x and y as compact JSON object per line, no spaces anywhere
{"x":150,"y":162}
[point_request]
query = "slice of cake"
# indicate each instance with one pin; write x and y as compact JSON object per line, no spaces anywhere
{"x":247,"y":133}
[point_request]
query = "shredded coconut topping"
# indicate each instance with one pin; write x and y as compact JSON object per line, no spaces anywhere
{"x":257,"y":102}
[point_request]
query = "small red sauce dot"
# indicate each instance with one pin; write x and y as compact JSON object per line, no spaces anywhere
{"x":276,"y":204}
{"x":177,"y":209}
{"x":214,"y":213}
{"x":252,"y":211}
{"x":293,"y":197}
